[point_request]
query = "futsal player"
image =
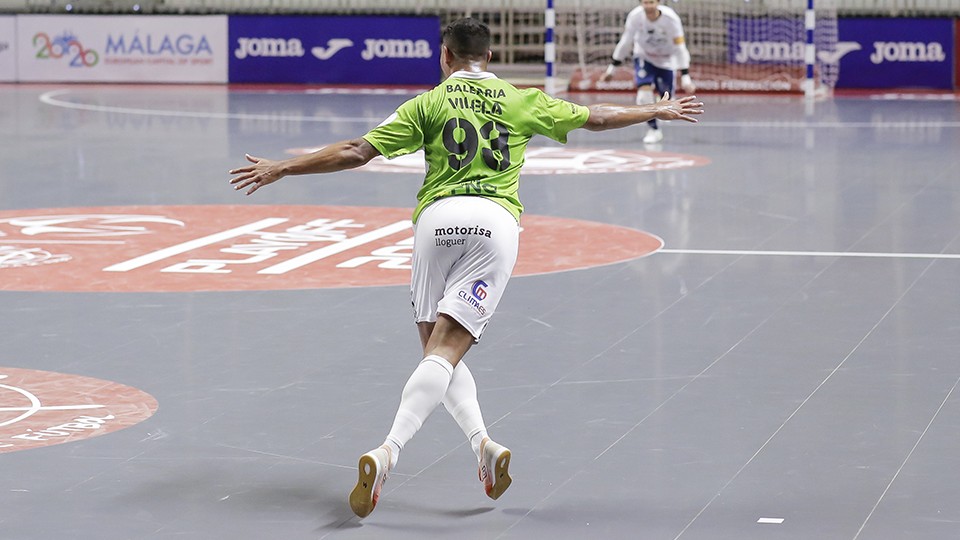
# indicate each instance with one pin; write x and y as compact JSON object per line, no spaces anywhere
{"x":473,"y":128}
{"x":653,"y":34}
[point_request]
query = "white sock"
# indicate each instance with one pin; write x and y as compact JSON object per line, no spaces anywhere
{"x":461,"y":402}
{"x":421,"y":395}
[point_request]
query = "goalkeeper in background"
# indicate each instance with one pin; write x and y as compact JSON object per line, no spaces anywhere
{"x":653,"y":34}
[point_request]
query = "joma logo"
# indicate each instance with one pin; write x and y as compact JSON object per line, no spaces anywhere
{"x":396,"y":48}
{"x":268,"y":47}
{"x":769,"y":51}
{"x":906,"y":51}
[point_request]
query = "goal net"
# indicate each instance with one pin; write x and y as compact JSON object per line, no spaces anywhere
{"x":735,"y":45}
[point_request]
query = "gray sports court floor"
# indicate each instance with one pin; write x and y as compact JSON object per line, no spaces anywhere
{"x":786,"y":367}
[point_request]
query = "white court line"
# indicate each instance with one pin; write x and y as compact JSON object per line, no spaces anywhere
{"x":55,"y":242}
{"x":50,"y":98}
{"x":823,"y":383}
{"x":159,"y":255}
{"x":642,"y":420}
{"x":339,"y":247}
{"x":53,"y":408}
{"x":909,"y":454}
{"x":812,"y":253}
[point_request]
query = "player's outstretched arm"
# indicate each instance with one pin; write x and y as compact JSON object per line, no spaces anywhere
{"x":336,"y":157}
{"x":609,"y":116}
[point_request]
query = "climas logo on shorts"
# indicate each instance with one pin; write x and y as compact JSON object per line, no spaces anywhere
{"x":477,"y":294}
{"x":478,"y":291}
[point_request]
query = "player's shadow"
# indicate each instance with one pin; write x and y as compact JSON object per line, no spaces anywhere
{"x":340,"y":516}
{"x":385,"y":519}
{"x":238,"y":493}
{"x":245,"y":494}
{"x":412,"y":507}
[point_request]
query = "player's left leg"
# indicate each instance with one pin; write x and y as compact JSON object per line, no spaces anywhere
{"x":462,"y":404}
{"x":494,"y":468}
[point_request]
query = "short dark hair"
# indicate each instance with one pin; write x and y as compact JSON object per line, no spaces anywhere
{"x":467,"y":38}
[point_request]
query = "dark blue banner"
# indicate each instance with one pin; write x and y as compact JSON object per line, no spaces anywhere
{"x":335,"y":50}
{"x":872,"y":53}
{"x":896,"y":53}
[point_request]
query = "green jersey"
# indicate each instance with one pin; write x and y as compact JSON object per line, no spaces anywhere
{"x":474,"y":129}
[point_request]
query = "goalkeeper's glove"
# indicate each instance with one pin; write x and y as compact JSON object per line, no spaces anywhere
{"x":611,"y":68}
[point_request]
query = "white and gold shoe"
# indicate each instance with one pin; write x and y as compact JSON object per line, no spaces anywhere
{"x":374,"y":467}
{"x":494,"y":468}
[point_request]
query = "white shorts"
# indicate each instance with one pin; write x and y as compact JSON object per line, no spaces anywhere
{"x":463,"y":254}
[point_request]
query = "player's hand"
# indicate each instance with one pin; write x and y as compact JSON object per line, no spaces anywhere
{"x":678,"y":109}
{"x":263,"y":172}
{"x":686,"y":83}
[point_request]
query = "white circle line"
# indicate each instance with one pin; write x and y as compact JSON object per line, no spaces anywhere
{"x":35,"y":405}
{"x":51,"y":98}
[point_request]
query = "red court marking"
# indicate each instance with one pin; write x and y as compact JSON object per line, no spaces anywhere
{"x":43,"y":408}
{"x":249,"y":247}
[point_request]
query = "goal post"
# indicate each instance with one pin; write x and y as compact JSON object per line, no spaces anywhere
{"x":735,"y":45}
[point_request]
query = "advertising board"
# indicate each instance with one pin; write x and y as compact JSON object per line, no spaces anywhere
{"x":122,"y":48}
{"x":335,"y":50}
